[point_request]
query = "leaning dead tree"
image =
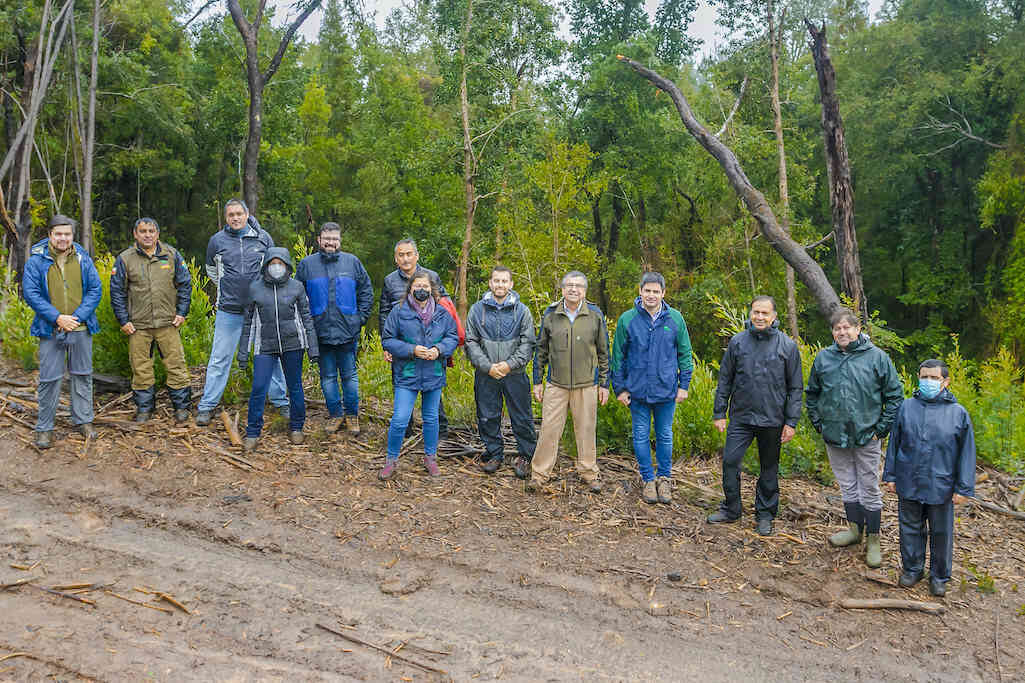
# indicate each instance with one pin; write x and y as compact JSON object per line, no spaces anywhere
{"x":257,"y":81}
{"x":793,"y":253}
{"x":841,"y":191}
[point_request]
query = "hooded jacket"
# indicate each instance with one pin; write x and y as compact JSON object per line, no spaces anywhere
{"x":37,"y":294}
{"x":853,"y":394}
{"x":651,"y":358}
{"x":340,"y":293}
{"x":278,"y":314}
{"x":233,"y":261}
{"x":760,"y":380}
{"x":499,"y":332}
{"x":403,"y":330}
{"x":575,"y":352}
{"x":149,"y":291}
{"x":393,"y":291}
{"x":931,"y":453}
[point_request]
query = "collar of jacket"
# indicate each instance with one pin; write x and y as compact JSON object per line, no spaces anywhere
{"x":511,"y":299}
{"x":560,"y":307}
{"x":142,"y":252}
{"x":329,"y":257}
{"x":944,"y":396}
{"x":42,"y":248}
{"x":405,"y":278}
{"x":247,"y":231}
{"x":862,"y":343}
{"x":762,"y":334}
{"x":639,"y":305}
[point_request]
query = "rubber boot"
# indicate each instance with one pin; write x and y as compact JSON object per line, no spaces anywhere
{"x":852,"y":534}
{"x":144,"y":401}
{"x":181,"y":399}
{"x":873,"y":553}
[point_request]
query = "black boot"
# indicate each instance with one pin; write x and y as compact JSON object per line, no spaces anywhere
{"x":144,"y":400}
{"x":181,"y":399}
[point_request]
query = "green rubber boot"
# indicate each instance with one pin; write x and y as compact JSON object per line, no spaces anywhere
{"x":873,"y":554}
{"x":852,"y":534}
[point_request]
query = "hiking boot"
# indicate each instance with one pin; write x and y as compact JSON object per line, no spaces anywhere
{"x":249,"y":445}
{"x":181,"y":401}
{"x":649,"y":494}
{"x":44,"y":440}
{"x":873,"y":553}
{"x":431,"y":463}
{"x":937,"y":587}
{"x":335,"y":424}
{"x":87,"y":430}
{"x":665,"y":490}
{"x":521,"y":466}
{"x":204,"y":417}
{"x":594,"y":486}
{"x":764,"y":526}
{"x":388,"y":471}
{"x":182,"y":415}
{"x":352,"y":425}
{"x":532,"y":486}
{"x":491,"y":465}
{"x":909,"y":579}
{"x":143,"y":416}
{"x":144,"y":401}
{"x":284,"y":411}
{"x":295,"y":437}
{"x":721,"y":516}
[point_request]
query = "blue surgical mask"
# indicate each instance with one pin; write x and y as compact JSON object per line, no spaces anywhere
{"x":276,"y":271}
{"x":929,"y":388}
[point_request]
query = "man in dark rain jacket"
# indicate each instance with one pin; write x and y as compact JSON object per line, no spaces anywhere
{"x":853,"y":394}
{"x":930,"y":464}
{"x":760,"y":384}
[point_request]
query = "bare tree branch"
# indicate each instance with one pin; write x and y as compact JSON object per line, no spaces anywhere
{"x":736,"y":106}
{"x":962,"y":128}
{"x":205,"y":7}
{"x":275,"y":62}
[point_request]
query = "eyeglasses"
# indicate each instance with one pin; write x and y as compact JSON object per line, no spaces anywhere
{"x":573,"y":285}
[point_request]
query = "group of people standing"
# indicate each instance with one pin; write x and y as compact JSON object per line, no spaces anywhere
{"x":271,"y":313}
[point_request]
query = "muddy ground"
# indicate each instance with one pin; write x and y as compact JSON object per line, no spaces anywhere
{"x":465,"y":574}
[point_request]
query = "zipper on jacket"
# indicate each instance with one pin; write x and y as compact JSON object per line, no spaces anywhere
{"x":277,"y":321}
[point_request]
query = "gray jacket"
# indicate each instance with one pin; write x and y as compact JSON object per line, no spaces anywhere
{"x":497,"y":332}
{"x":277,"y":318}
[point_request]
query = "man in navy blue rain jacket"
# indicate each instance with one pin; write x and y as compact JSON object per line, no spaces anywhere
{"x":930,"y":463}
{"x":341,"y":297}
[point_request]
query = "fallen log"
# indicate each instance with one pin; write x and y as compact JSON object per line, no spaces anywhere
{"x":891,"y":603}
{"x":229,"y":426}
{"x":993,"y":507}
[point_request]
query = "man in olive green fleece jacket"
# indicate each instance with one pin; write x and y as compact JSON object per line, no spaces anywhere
{"x":574,"y":345}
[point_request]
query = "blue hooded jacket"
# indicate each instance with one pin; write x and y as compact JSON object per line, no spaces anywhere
{"x":931,"y":454}
{"x":404,"y":330}
{"x":651,"y":358}
{"x":341,"y":295}
{"x":37,"y":294}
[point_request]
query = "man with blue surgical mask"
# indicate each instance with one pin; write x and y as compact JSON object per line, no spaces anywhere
{"x":930,"y":465}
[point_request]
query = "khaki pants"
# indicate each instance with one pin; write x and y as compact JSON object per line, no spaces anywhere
{"x":583,"y":404}
{"x":170,"y":342}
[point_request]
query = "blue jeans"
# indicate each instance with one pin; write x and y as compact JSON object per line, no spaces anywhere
{"x":404,"y":400}
{"x":227,"y":333}
{"x":264,"y":365}
{"x":338,"y":359}
{"x":641,"y":414}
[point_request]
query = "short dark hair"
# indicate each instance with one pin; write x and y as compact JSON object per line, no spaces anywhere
{"x":409,"y":241}
{"x":235,"y":202}
{"x":936,"y":363}
{"x":844,"y":314}
{"x":762,"y":297}
{"x":331,"y":226}
{"x":573,"y":274}
{"x":151,"y":221}
{"x":501,"y":269}
{"x":61,"y":219}
{"x":435,"y":284}
{"x":652,"y":277}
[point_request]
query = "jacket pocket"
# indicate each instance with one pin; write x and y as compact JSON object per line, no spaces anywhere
{"x":345,"y":295}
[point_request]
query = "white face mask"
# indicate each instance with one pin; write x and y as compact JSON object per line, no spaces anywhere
{"x":276,"y":271}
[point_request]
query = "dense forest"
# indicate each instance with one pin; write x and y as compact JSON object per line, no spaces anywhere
{"x":508,"y":131}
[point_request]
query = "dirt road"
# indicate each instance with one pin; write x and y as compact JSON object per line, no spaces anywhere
{"x":465,"y":574}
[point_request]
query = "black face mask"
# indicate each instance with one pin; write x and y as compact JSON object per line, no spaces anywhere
{"x":421,"y":295}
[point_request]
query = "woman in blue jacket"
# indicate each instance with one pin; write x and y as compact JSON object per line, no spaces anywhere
{"x":420,"y":335}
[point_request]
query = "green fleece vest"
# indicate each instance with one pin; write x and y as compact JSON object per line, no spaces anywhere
{"x":64,"y":282}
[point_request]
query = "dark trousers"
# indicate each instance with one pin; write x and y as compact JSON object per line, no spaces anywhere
{"x":442,"y":417}
{"x":489,"y":393}
{"x":914,"y":517}
{"x":738,"y":438}
{"x":264,"y":365}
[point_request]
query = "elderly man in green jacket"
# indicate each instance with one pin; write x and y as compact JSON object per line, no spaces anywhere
{"x":574,"y":345}
{"x":852,"y":397}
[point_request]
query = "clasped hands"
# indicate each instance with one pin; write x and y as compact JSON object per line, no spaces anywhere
{"x":426,"y":353}
{"x":68,"y":323}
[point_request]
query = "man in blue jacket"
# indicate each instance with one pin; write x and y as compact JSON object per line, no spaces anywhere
{"x":930,"y":464}
{"x":234,"y":257}
{"x":62,"y":286}
{"x":651,"y":370}
{"x":341,"y":297}
{"x":760,"y":385}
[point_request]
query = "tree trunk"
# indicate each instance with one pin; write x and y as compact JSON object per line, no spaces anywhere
{"x":469,"y":171}
{"x":793,"y":253}
{"x":86,"y":200}
{"x":784,"y":188}
{"x":841,"y":190}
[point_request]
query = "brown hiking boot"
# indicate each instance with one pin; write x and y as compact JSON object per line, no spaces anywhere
{"x":665,"y":490}
{"x":352,"y":424}
{"x":650,"y":492}
{"x":296,"y":437}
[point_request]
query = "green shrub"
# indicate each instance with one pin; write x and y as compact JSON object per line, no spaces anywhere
{"x":15,"y":321}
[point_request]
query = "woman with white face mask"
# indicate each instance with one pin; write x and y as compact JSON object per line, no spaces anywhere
{"x":278,"y":327}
